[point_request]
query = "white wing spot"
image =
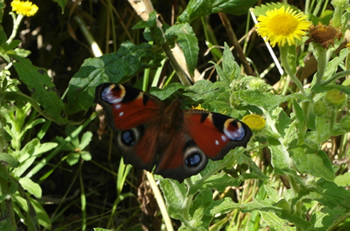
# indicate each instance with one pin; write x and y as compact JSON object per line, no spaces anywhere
{"x":117,"y":106}
{"x":217,"y":142}
{"x":121,"y":114}
{"x":224,"y":138}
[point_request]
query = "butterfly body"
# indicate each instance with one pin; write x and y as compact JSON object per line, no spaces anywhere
{"x":177,"y":142}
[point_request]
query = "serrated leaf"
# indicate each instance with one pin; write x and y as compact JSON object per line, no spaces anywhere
{"x":199,"y":8}
{"x":315,"y":163}
{"x":42,"y":88}
{"x":32,"y":187}
{"x":273,"y":221}
{"x":267,"y":100}
{"x":332,"y":195}
{"x":187,"y":40}
{"x":116,"y":67}
{"x":282,"y":122}
{"x":230,"y":69}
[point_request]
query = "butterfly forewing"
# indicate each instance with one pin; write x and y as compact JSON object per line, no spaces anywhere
{"x":127,"y":107}
{"x":216,"y":134}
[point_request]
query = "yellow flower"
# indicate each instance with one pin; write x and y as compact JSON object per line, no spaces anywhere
{"x":24,"y":8}
{"x":199,"y":107}
{"x":281,"y":26}
{"x":254,"y":122}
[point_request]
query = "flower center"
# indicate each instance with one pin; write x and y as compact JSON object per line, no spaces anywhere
{"x":283,"y":24}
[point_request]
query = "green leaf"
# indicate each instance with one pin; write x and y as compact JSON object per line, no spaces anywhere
{"x":199,"y":8}
{"x":152,"y":32}
{"x":73,"y":158}
{"x":332,"y":195}
{"x":299,"y":113}
{"x":116,"y":67}
{"x":261,"y":10}
{"x":32,"y":187}
{"x":86,"y":155}
{"x":319,"y":89}
{"x":151,"y":22}
{"x":282,"y":121}
{"x":85,"y":139}
{"x":230,"y":69}
{"x":9,"y":160}
{"x":167,"y":92}
{"x":275,"y":222}
{"x":333,"y":65}
{"x":175,"y":196}
{"x":279,"y":158}
{"x":2,"y":6}
{"x":62,"y":4}
{"x":42,"y":216}
{"x":316,"y":163}
{"x":42,"y":88}
{"x":30,"y":152}
{"x":343,"y":180}
{"x":188,"y":42}
{"x":267,"y":100}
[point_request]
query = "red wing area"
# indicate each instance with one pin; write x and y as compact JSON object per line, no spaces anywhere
{"x":127,"y":107}
{"x":134,"y":113}
{"x":215,"y":134}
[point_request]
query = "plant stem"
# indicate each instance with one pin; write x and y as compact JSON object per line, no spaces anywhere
{"x":16,"y":22}
{"x":161,"y":204}
{"x":285,"y":64}
{"x":321,"y":64}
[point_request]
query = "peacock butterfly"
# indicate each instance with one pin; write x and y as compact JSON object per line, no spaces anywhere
{"x":177,"y":142}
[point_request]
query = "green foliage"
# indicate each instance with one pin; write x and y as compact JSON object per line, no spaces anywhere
{"x":42,"y":89}
{"x":286,"y":179}
{"x":199,"y":8}
{"x":114,"y":67}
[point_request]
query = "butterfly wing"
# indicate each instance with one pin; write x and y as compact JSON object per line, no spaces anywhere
{"x":129,"y":112}
{"x":216,"y":134}
{"x":181,"y":158}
